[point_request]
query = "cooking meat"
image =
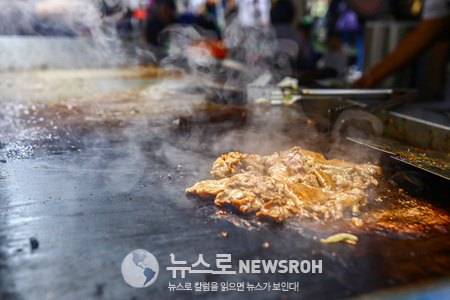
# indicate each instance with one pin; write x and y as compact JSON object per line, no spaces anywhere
{"x":296,"y":182}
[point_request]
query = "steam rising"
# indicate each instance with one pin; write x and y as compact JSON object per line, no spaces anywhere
{"x":148,"y":116}
{"x":251,"y":52}
{"x":59,"y":34}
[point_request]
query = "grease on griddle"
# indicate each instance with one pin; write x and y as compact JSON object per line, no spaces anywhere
{"x":34,"y":243}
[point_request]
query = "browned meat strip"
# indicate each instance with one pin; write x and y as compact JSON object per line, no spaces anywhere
{"x":209,"y":188}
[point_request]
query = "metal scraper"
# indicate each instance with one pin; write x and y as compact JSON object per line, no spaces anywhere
{"x":430,"y":161}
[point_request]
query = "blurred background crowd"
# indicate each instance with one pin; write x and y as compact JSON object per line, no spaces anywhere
{"x":350,"y":36}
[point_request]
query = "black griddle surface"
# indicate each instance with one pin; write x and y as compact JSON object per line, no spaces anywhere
{"x":100,"y":192}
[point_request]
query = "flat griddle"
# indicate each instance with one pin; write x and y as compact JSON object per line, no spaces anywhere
{"x":94,"y":177}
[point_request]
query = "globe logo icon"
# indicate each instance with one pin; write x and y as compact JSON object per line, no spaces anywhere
{"x":140,"y":268}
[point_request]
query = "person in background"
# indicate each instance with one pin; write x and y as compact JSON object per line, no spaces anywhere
{"x":254,"y":13}
{"x":282,"y":15}
{"x":307,"y":56}
{"x":203,"y":14}
{"x":231,"y":9}
{"x":164,"y":15}
{"x":433,"y":27}
{"x":206,"y":17}
{"x":289,"y":37}
{"x":335,"y":57}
